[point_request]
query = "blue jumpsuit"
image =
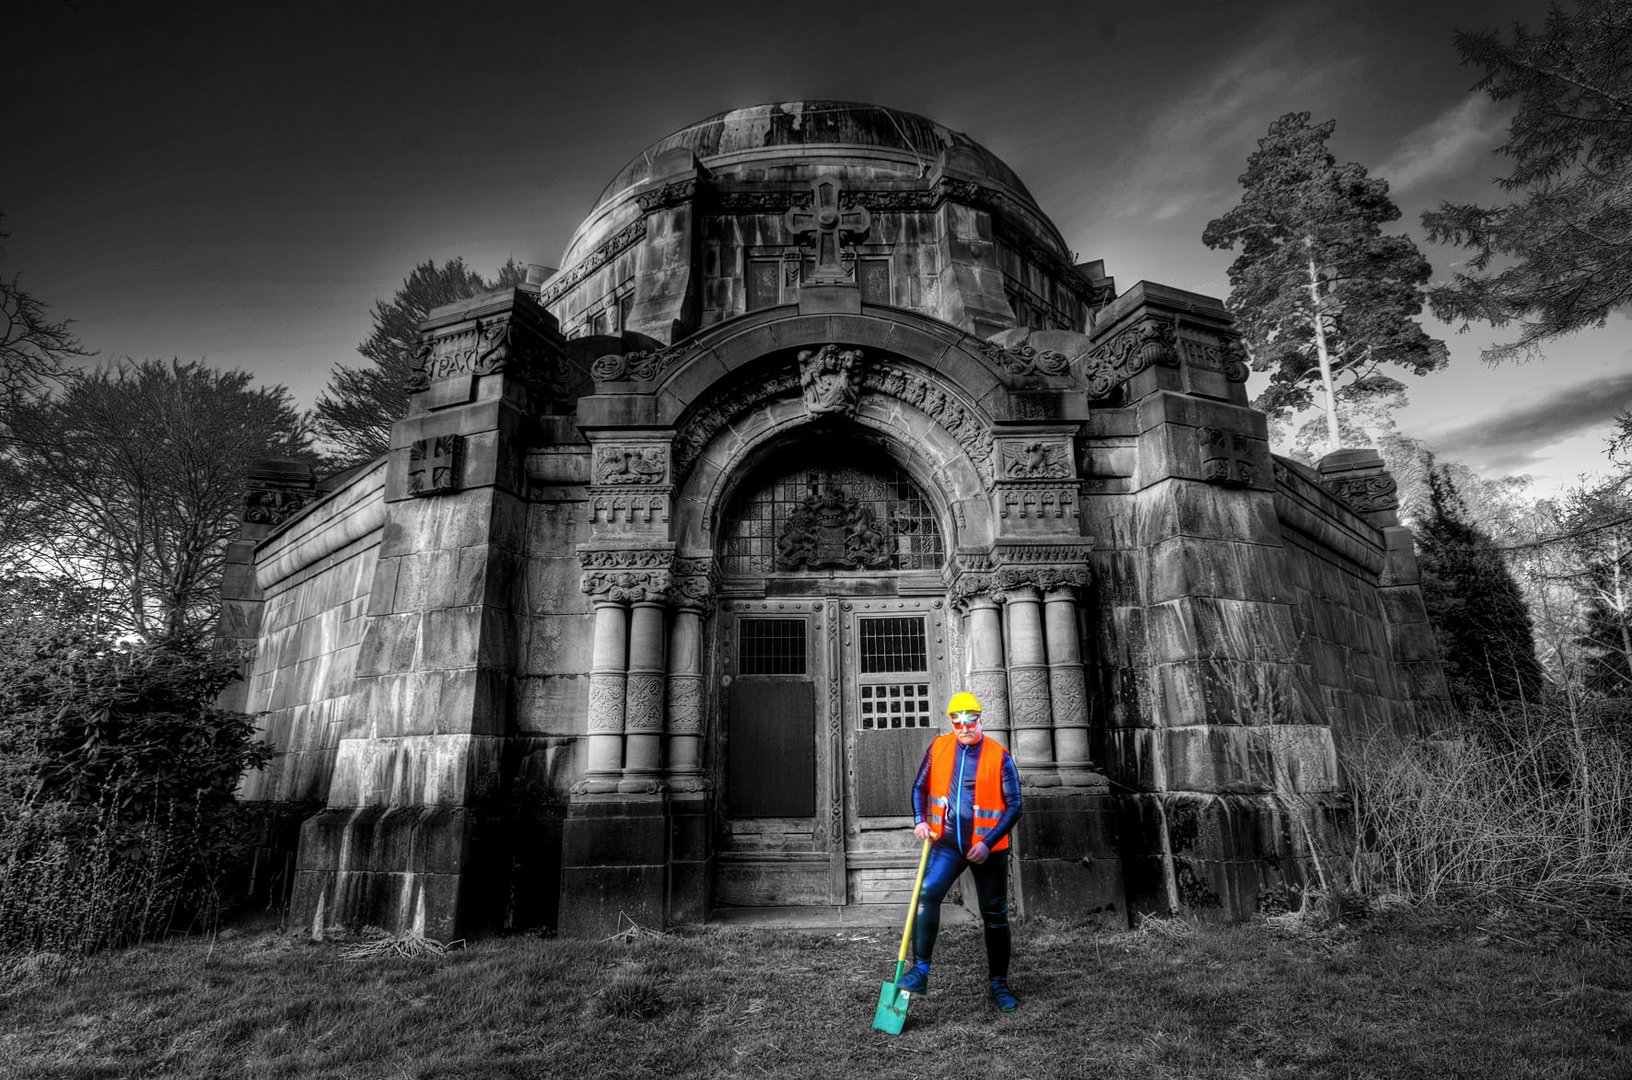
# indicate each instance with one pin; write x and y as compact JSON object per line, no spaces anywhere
{"x":947,"y":856}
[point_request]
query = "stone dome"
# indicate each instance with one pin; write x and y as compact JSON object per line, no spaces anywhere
{"x":764,"y":142}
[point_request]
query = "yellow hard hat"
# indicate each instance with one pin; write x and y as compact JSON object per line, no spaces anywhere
{"x":963,"y":701}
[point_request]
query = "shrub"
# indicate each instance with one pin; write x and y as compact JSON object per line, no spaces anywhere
{"x":118,"y":820}
{"x":1526,"y":806}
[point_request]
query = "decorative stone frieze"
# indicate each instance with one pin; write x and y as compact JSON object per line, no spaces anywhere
{"x":1036,"y":459}
{"x":681,"y":191}
{"x":623,"y":507}
{"x":1150,"y":340}
{"x":758,"y":202}
{"x":1038,"y":504}
{"x":693,"y":583}
{"x":615,"y":245}
{"x":830,"y":378}
{"x":642,"y":365}
{"x":631,"y":464}
{"x":273,"y":505}
{"x":436,"y":466}
{"x":626,"y":575}
{"x":1366,"y":494}
{"x":1022,"y":359}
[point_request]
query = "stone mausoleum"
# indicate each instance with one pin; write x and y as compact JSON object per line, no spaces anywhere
{"x":657,"y":599}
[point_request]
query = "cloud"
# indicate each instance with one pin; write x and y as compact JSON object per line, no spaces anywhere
{"x":1441,"y":147}
{"x":1513,"y":440}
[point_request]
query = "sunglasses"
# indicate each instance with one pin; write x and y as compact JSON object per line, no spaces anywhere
{"x":964,"y":719}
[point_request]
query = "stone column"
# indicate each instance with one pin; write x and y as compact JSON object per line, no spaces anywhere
{"x":608,"y":678}
{"x":1067,"y":683}
{"x":1029,"y":704}
{"x":988,"y":680}
{"x":643,"y":708}
{"x":685,"y":698}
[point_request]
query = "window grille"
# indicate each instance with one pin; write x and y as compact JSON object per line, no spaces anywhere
{"x":762,"y":517}
{"x":771,"y":647}
{"x":893,"y":646}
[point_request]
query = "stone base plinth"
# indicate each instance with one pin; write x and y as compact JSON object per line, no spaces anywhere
{"x":421,"y":870}
{"x":1070,"y":859}
{"x":614,"y":863}
{"x":691,"y":865}
{"x":1220,"y":858}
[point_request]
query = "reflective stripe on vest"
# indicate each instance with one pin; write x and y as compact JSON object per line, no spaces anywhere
{"x":988,"y":787}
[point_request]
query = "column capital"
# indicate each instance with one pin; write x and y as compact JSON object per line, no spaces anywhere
{"x":627,"y":575}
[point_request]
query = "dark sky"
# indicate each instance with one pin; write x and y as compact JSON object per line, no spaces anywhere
{"x":239,"y":182}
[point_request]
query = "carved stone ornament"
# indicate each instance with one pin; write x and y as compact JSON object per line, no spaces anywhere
{"x":436,"y":466}
{"x":1036,"y":460}
{"x":630,"y":464}
{"x":627,"y":586}
{"x":830,"y":378}
{"x":1023,"y":359}
{"x":644,"y":365}
{"x":775,"y":201}
{"x":1151,"y":340}
{"x":1030,"y":502}
{"x":1223,"y":460}
{"x":827,"y":221}
{"x":832,"y":531}
{"x":481,"y":347}
{"x":943,"y":407}
{"x":614,"y":246}
{"x":1366,"y":494}
{"x":693,"y":583}
{"x":681,"y":191}
{"x":275,"y":505}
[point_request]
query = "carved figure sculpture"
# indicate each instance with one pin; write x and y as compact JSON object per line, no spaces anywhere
{"x":831,"y":379}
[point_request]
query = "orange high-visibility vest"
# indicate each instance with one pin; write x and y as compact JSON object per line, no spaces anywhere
{"x":989,"y":805}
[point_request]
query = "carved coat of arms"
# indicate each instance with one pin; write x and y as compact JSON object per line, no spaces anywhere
{"x":831,"y":531}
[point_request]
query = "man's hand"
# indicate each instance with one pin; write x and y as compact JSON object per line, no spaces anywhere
{"x":921,"y":830}
{"x":978,"y":853}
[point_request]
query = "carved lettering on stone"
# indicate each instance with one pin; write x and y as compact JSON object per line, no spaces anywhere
{"x":630,"y":464}
{"x":435,"y":465}
{"x":830,"y":378}
{"x":619,"y":242}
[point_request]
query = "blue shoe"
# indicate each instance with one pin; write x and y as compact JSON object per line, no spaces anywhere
{"x":1002,"y":996}
{"x":916,"y":980}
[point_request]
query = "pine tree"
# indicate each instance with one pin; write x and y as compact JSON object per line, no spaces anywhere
{"x":1566,"y":245}
{"x":1319,"y":293}
{"x":356,"y":411}
{"x":1486,"y":638}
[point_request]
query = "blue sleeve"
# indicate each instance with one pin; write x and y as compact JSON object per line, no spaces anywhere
{"x":1011,"y":802}
{"x":920,"y":787}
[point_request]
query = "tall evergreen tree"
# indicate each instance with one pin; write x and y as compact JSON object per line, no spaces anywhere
{"x":1565,"y":244}
{"x":1321,"y":296}
{"x":1486,"y":638}
{"x":356,"y":410}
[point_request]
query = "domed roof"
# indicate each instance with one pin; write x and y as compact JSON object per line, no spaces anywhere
{"x":748,"y":133}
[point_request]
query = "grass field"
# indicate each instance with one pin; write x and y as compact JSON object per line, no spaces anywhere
{"x":1410,"y":995}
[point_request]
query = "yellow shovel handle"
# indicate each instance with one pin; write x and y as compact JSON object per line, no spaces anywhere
{"x":912,"y":910}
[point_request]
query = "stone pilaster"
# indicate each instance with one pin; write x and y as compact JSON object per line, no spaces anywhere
{"x":608,"y":686}
{"x":988,"y":679}
{"x":643,"y":709}
{"x":412,"y":837}
{"x":1030,"y":708}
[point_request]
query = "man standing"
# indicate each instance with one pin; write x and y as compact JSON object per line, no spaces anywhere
{"x":966,"y":799}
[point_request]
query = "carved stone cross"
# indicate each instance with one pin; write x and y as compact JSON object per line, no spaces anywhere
{"x":827,"y":221}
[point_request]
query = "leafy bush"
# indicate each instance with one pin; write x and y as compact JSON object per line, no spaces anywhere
{"x":118,"y":820}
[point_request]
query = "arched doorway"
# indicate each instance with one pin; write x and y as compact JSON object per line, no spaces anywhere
{"x":834,"y":651}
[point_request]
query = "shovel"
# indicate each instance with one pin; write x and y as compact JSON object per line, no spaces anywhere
{"x":892,"y":1000}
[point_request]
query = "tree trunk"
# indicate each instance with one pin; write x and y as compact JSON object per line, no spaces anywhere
{"x":1334,"y":436}
{"x":1621,"y":604}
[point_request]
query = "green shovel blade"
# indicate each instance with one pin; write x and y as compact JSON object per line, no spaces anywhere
{"x":892,"y":1006}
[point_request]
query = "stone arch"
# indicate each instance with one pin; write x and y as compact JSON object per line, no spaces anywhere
{"x":954,"y":473}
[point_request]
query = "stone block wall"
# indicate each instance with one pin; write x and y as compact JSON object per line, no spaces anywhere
{"x":315,"y":580}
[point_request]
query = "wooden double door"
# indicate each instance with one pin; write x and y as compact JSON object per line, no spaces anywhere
{"x":828,"y":706}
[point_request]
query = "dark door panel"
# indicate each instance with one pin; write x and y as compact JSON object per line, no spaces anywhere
{"x":886,"y":763}
{"x":771,"y":763}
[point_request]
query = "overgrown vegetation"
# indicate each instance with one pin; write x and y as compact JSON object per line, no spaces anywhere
{"x":117,"y":816}
{"x":1525,"y":806}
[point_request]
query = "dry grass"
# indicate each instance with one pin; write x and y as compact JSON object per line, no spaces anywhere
{"x":1404,"y":995}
